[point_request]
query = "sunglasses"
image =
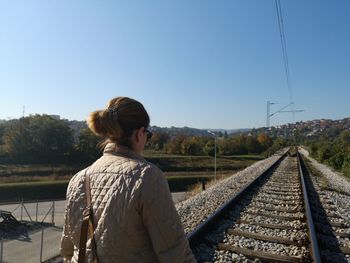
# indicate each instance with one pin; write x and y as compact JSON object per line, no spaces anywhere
{"x":149,"y":134}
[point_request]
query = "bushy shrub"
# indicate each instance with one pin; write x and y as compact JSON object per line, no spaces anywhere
{"x":324,"y":153}
{"x":346,"y":165}
{"x":336,"y":161}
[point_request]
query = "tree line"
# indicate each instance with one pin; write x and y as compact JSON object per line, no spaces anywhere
{"x":334,"y":151}
{"x":44,"y":139}
{"x":205,"y":145}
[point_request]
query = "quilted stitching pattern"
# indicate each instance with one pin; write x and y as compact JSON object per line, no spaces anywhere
{"x":121,"y":202}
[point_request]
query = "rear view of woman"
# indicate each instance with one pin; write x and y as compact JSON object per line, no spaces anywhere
{"x":133,"y":215}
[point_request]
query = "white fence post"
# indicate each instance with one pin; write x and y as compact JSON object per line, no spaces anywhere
{"x":41,"y":245}
{"x":53,"y":213}
{"x":21,"y":209}
{"x":1,"y":249}
{"x":36,"y":211}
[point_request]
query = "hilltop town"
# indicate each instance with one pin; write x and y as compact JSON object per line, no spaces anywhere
{"x":311,"y":130}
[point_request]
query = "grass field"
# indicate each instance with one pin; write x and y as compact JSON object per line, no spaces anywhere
{"x":48,"y":190}
{"x":37,"y":170}
{"x":39,"y":182}
{"x":201,"y":163}
{"x":172,"y":165}
{"x":33,"y":191}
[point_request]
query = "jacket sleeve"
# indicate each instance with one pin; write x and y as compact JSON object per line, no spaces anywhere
{"x":67,"y":247}
{"x":162,"y":220}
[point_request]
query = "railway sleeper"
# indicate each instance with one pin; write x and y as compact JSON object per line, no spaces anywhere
{"x":325,"y":220}
{"x":263,"y":256}
{"x":281,"y":193}
{"x":281,"y":198}
{"x":284,"y":190}
{"x":272,"y":226}
{"x":275,"y":239}
{"x":317,"y":207}
{"x":278,"y":209}
{"x":328,"y":243}
{"x":206,"y":241}
{"x":283,"y":183}
{"x":333,"y":233}
{"x":333,"y":224}
{"x":275,"y":202}
{"x":326,"y":213}
{"x":284,"y":186}
{"x":290,"y":218}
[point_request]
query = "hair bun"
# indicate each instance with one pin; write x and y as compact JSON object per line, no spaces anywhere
{"x":116,"y":123}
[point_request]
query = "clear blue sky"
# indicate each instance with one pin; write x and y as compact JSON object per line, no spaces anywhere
{"x":203,"y":64}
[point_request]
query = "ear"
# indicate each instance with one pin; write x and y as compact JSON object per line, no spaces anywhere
{"x":138,"y":134}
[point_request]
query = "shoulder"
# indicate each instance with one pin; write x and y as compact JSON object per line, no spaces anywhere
{"x":152,"y":178}
{"x":150,"y":169}
{"x":76,"y":183}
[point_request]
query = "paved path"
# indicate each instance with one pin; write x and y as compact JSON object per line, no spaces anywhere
{"x":45,"y":210}
{"x":38,"y":211}
{"x":26,"y":249}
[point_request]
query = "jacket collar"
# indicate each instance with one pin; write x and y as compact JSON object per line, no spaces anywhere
{"x":115,"y":149}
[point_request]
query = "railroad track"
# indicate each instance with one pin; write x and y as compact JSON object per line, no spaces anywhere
{"x":332,"y":229}
{"x":268,"y":221}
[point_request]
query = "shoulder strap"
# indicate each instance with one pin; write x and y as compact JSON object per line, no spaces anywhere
{"x":87,"y":190}
{"x":87,"y":226}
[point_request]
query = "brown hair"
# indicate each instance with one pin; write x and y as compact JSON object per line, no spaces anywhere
{"x":117,"y":123}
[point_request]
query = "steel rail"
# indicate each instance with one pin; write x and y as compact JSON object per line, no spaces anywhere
{"x":315,"y":252}
{"x":195,"y":236}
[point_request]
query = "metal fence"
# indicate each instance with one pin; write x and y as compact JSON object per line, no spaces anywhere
{"x":42,"y":242}
{"x":36,"y":212}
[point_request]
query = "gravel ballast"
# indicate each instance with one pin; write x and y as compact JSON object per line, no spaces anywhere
{"x":196,"y":209}
{"x":336,"y":180}
{"x":338,"y":192}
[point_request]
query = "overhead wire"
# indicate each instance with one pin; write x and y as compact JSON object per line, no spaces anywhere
{"x":284,"y":51}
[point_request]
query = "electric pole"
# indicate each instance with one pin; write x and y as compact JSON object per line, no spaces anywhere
{"x":269,"y":115}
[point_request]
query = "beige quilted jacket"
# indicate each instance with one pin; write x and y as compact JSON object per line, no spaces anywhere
{"x":134,"y":214}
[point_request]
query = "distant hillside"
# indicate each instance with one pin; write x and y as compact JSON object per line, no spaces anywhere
{"x":310,"y":130}
{"x":172,"y":131}
{"x":231,"y":131}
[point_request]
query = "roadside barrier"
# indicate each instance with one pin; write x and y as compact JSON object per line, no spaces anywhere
{"x":38,"y":239}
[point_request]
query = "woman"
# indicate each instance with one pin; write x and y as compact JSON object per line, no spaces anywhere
{"x":133,"y":213}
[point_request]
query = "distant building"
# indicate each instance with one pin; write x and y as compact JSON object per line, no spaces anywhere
{"x":56,"y":117}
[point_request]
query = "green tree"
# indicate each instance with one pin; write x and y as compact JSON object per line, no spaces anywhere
{"x":265,"y":141}
{"x":158,"y":141}
{"x":345,"y":138}
{"x":241,"y":144}
{"x":324,"y":152}
{"x":2,"y":132}
{"x":39,"y":139}
{"x":17,"y":141}
{"x":253,"y":145}
{"x":346,"y":164}
{"x":336,"y":160}
{"x":189,"y":147}
{"x":209,"y":148}
{"x":87,"y":145}
{"x":174,"y":145}
{"x":277,"y":144}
